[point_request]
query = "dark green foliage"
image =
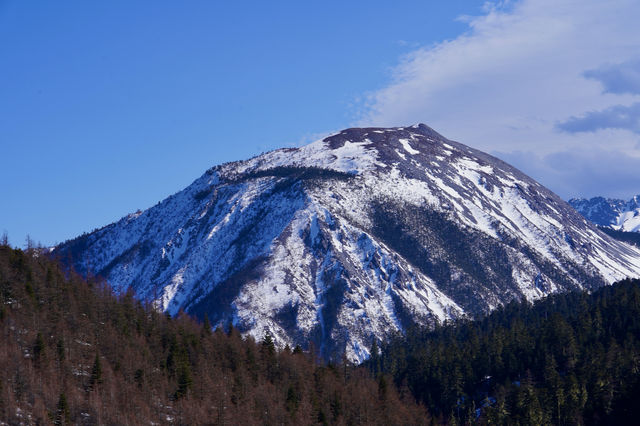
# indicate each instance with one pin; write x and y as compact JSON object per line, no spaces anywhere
{"x":298,"y":173}
{"x":292,"y":399}
{"x":28,"y":287}
{"x":568,"y":359}
{"x":116,"y":361}
{"x":206,"y":325}
{"x":185,"y":380}
{"x":62,"y":415}
{"x":382,"y":388}
{"x":39,"y":348}
{"x":290,"y":175}
{"x":139,"y":377}
{"x":267,"y":345}
{"x":96,"y":373}
{"x":60,"y":349}
{"x":374,"y":358}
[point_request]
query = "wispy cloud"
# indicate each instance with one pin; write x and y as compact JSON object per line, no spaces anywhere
{"x":520,"y":69}
{"x":619,"y":79}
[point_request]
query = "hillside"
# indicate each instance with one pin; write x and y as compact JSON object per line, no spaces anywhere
{"x":72,"y":352}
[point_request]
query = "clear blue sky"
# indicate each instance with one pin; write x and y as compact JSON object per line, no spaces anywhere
{"x":107,"y":107}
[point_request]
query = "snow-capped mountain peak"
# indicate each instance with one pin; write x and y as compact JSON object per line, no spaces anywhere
{"x":352,"y":238}
{"x":612,"y":213}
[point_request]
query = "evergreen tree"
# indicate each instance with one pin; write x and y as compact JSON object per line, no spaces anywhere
{"x":206,"y":326}
{"x":267,"y":344}
{"x":60,"y":350}
{"x":185,"y":380}
{"x":39,"y":348}
{"x":96,"y":373}
{"x":63,"y":413}
{"x":374,"y":357}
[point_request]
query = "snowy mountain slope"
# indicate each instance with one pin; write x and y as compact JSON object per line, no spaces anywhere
{"x":613,"y":213}
{"x":353,"y":237}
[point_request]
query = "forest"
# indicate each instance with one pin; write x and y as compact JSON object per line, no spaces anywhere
{"x":571,"y":358}
{"x":73,"y":352}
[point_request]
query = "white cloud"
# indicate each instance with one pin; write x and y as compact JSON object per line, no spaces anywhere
{"x":520,"y":71}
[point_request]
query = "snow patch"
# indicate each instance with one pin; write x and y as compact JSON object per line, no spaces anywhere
{"x":407,"y":147}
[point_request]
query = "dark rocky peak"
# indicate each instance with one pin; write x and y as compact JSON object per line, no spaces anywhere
{"x":404,"y":147}
{"x":609,"y":212}
{"x":380,"y":136}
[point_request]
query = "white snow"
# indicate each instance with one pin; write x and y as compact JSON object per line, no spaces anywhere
{"x":407,"y":147}
{"x":401,"y":155}
{"x":628,"y":221}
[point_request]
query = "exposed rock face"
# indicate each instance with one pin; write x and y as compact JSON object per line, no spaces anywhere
{"x":611,"y":213}
{"x":353,"y":237}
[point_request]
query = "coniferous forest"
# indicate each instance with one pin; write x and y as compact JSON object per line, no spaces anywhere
{"x":572,"y":358}
{"x":72,"y":352}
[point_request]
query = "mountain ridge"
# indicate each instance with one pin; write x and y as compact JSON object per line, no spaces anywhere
{"x":351,"y":238}
{"x":614,"y":213}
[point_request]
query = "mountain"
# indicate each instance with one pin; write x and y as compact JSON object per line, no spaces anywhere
{"x":353,"y":237}
{"x":612,"y":213}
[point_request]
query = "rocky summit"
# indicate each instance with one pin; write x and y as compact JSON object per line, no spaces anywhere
{"x":353,"y":238}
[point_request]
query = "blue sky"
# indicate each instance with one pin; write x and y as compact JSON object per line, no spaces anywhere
{"x":108,"y":107}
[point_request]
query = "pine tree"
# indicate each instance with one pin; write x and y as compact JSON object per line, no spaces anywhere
{"x":292,"y":400}
{"x":96,"y":373}
{"x":206,"y":326}
{"x":62,"y":411}
{"x":374,"y":357}
{"x":185,"y":380}
{"x":39,"y":348}
{"x":268,"y":345}
{"x":60,"y":350}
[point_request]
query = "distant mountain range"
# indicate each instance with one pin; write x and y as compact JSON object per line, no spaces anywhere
{"x":353,"y":238}
{"x":612,"y":213}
